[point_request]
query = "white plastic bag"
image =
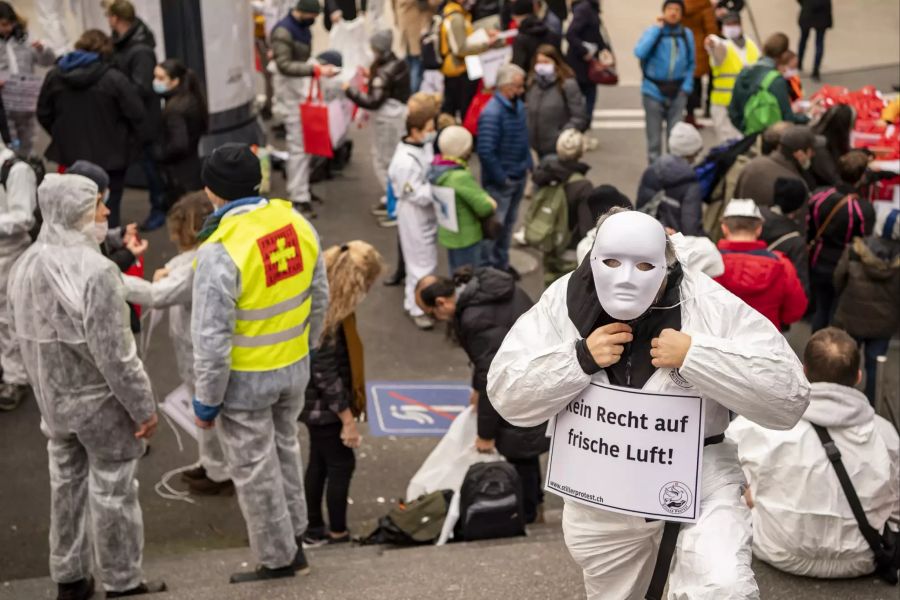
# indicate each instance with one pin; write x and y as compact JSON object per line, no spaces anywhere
{"x":446,"y":466}
{"x":352,"y":41}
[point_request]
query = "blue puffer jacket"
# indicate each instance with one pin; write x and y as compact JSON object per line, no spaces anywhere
{"x":661,"y":63}
{"x":503,"y":141}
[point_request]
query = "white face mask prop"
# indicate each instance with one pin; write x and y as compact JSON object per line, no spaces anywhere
{"x":628,"y":261}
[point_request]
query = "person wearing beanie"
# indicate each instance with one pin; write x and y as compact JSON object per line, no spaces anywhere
{"x":93,"y":172}
{"x":553,"y":102}
{"x":260,"y":295}
{"x":668,"y":59}
{"x":17,"y":196}
{"x":672,"y":176}
{"x":551,"y":223}
{"x":765,"y":279}
{"x":388,"y":91}
{"x":791,"y":159}
{"x":867,"y":281}
{"x":464,"y":204}
{"x":782,"y":225}
{"x":533,"y":33}
{"x":291,"y":41}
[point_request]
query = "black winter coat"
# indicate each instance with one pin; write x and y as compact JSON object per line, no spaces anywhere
{"x":815,"y":14}
{"x":584,"y":27}
{"x":92,"y":113}
{"x":330,"y":382}
{"x":868,"y":281}
{"x":532,"y":33}
{"x":135,"y":56}
{"x":388,"y":78}
{"x":177,"y":147}
{"x":790,"y":240}
{"x":486,"y":310}
{"x":825,"y":255}
{"x":674,"y":175}
{"x":348,"y":9}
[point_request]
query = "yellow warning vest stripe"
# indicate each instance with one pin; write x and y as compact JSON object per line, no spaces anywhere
{"x":725,"y":75}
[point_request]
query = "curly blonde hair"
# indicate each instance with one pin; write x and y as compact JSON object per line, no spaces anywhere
{"x":352,"y":269}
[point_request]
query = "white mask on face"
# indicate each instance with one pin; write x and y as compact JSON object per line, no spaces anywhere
{"x":429,"y":137}
{"x":545,"y":69}
{"x":791,"y":73}
{"x":100,"y":231}
{"x":628,"y":261}
{"x":732,"y":32}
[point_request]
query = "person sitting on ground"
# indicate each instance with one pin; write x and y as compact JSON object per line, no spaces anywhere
{"x":336,"y":394}
{"x":172,"y":289}
{"x":802,"y":522}
{"x":783,"y":225}
{"x":673,"y":177}
{"x":481,"y":306}
{"x":792,"y":158}
{"x":836,"y":216}
{"x":600,"y":200}
{"x":764,"y":279}
{"x":867,"y":281}
{"x":473,"y":205}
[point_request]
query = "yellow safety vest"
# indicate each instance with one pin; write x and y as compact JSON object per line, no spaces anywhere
{"x":725,"y":74}
{"x":453,"y":66}
{"x":275,"y":250}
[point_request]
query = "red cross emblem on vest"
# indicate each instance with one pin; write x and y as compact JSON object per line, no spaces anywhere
{"x":281,"y":256}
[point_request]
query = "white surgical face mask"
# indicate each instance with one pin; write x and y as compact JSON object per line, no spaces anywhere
{"x":100,"y":231}
{"x":628,"y":261}
{"x":545,"y":69}
{"x":791,"y":73}
{"x":429,"y":137}
{"x":732,"y":32}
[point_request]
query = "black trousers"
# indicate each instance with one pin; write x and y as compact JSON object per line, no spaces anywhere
{"x":458,"y":94}
{"x":529,"y":470}
{"x":328,"y":474}
{"x":820,"y":48}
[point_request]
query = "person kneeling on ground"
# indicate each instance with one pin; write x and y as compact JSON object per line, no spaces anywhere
{"x":802,"y":521}
{"x":482,"y":305}
{"x":632,"y":308}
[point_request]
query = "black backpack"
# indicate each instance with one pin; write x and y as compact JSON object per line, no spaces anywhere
{"x":490,"y":503}
{"x":37,"y":165}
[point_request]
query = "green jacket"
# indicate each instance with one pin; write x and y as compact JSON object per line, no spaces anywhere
{"x":472,"y":204}
{"x":749,"y":82}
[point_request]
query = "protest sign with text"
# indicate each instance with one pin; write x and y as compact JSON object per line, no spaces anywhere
{"x":630,"y":451}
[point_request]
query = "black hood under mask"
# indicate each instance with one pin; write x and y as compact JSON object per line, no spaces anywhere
{"x":586,"y":313}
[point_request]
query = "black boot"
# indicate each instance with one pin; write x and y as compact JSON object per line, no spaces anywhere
{"x":300,"y":564}
{"x":147,"y":587}
{"x":395,"y":279}
{"x":262,"y":573}
{"x":77,"y":590}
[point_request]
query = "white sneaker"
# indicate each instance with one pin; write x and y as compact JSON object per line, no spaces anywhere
{"x":423,"y":322}
{"x":519,"y":237}
{"x":387,"y":223}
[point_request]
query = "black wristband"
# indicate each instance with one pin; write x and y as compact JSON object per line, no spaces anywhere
{"x":587,"y":362}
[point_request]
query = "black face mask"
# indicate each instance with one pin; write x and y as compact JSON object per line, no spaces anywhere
{"x":306,"y":22}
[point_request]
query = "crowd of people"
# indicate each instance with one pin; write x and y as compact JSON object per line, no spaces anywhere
{"x":698,"y":278}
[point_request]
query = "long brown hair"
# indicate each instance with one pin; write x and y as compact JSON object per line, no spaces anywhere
{"x":186,"y":217}
{"x":563,"y":70}
{"x":352,"y":269}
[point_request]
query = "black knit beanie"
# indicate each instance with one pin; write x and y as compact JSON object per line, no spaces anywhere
{"x":790,"y":194}
{"x":232,"y":171}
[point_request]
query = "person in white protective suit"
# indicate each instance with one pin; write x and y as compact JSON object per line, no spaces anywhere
{"x":17,"y":202}
{"x":416,"y":219}
{"x":69,"y":312}
{"x":802,"y":521}
{"x":52,"y":18}
{"x":260,"y":297}
{"x":172,"y":289}
{"x":632,"y":314}
{"x":291,"y":43}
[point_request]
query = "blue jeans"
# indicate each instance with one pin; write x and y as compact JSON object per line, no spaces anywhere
{"x":589,"y":91}
{"x":672,"y":111}
{"x":872,"y":349}
{"x":462,"y":257}
{"x":416,"y":71}
{"x":155,"y":184}
{"x":495,"y":253}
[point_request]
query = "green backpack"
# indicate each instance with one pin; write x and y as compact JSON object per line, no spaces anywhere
{"x":762,"y":109}
{"x":547,"y":222}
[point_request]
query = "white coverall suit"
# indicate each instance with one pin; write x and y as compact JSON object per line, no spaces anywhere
{"x":69,"y":311}
{"x":175,"y":292}
{"x":258,"y":420}
{"x":737,"y":361}
{"x":17,"y":200}
{"x":416,"y":220}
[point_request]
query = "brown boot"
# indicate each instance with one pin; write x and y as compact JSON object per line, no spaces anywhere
{"x":208,"y":487}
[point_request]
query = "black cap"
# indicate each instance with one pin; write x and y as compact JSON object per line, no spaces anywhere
{"x":678,"y":2}
{"x":522,"y":7}
{"x":232,"y":171}
{"x":308,"y":6}
{"x":93,"y":172}
{"x":790,"y":194}
{"x":604,"y":197}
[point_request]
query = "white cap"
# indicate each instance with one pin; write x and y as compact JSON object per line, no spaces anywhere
{"x":684,"y":140}
{"x":742,"y":207}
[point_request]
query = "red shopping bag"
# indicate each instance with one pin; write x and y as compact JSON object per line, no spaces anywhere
{"x":314,"y":120}
{"x":479,"y":102}
{"x":136,"y":270}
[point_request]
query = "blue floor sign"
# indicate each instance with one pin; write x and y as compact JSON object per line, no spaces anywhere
{"x":415,"y":408}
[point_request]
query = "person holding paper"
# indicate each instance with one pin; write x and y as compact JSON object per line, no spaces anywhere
{"x":456,"y":43}
{"x":635,"y":316}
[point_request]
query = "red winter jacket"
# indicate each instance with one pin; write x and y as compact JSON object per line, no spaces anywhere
{"x":765,"y":280}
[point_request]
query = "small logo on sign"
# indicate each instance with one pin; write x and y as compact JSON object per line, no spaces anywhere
{"x":679,"y":380}
{"x":675,"y":497}
{"x":281,"y":256}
